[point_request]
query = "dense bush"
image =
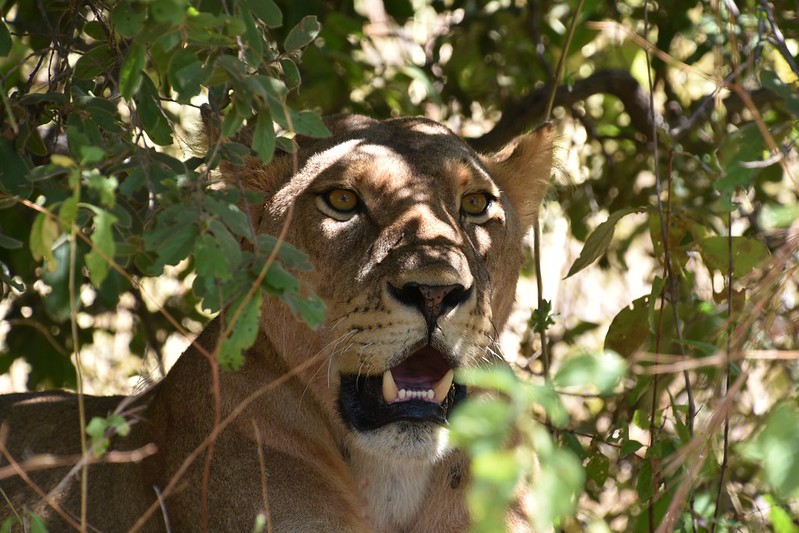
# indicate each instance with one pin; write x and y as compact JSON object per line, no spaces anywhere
{"x":679,"y":412}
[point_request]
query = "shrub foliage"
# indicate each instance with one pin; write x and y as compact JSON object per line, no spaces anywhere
{"x":678,"y":413}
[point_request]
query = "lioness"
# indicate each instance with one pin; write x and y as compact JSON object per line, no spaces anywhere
{"x":416,"y":244}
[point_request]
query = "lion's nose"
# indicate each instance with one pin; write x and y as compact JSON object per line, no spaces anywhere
{"x":432,"y":300}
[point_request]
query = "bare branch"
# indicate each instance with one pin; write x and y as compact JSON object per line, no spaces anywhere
{"x":531,"y":110}
{"x":778,"y":40}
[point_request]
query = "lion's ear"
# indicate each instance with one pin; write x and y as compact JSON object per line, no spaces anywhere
{"x":522,"y":169}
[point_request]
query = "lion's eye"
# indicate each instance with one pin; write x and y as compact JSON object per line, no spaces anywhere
{"x":342,"y":200}
{"x":476,"y":204}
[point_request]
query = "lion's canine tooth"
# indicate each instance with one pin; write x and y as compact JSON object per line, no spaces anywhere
{"x":441,"y":388}
{"x":389,"y":387}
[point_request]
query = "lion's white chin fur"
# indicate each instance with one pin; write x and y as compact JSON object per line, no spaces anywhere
{"x":393,"y":466}
{"x":422,"y":442}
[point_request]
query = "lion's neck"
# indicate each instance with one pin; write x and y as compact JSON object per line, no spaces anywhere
{"x":392,"y":490}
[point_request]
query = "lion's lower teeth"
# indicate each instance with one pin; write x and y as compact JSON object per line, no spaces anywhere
{"x":416,"y":394}
{"x":391,"y":393}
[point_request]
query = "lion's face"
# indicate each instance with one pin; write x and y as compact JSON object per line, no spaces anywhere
{"x":416,"y":247}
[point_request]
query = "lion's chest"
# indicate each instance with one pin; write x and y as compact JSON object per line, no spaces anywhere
{"x":392,"y":491}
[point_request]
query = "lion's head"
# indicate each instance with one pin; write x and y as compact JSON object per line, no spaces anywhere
{"x":416,"y":243}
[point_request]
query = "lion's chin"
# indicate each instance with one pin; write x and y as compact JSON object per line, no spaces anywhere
{"x":420,"y":442}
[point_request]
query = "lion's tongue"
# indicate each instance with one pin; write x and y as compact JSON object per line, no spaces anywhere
{"x":423,"y":376}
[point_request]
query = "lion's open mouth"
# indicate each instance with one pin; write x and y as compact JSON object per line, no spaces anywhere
{"x":420,"y":389}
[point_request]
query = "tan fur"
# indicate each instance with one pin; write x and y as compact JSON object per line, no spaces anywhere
{"x":319,"y":474}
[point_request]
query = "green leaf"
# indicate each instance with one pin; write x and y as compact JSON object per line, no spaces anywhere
{"x":290,"y":256}
{"x":14,"y":170}
{"x":775,"y":448}
{"x":152,"y":117}
{"x":8,"y":523}
{"x":68,"y":213}
{"x":541,"y":317}
{"x":645,"y":484}
{"x":119,"y":425}
{"x":96,"y":430}
{"x":267,"y":11}
{"x":91,"y":154}
{"x":630,"y":328}
{"x":784,"y":90}
{"x":231,"y":216}
{"x":226,"y":242}
{"x":309,"y":123}
{"x":95,"y":62}
{"x":254,"y":39}
{"x":481,"y":425}
{"x":599,"y":240}
{"x":59,"y":304}
{"x":103,"y":249}
{"x":495,"y":377}
{"x":131,"y":72}
{"x":186,"y":74}
{"x":629,"y":446}
{"x":290,"y":72}
{"x":168,"y":11}
{"x":263,"y":137}
{"x":177,"y":244}
{"x":106,"y":187}
{"x":780,"y":518}
{"x":498,"y":467}
{"x":233,"y":121}
{"x":96,"y":427}
{"x":603,"y":371}
{"x":744,"y":145}
{"x":128,"y":18}
{"x":597,"y":469}
{"x":773,"y":216}
{"x":5,"y":40}
{"x":36,"y":524}
{"x":9,"y":243}
{"x":310,"y":309}
{"x":556,"y":487}
{"x":747,"y":253}
{"x":279,"y":280}
{"x":44,"y":233}
{"x":302,"y":34}
{"x":209,"y":260}
{"x":243,"y":333}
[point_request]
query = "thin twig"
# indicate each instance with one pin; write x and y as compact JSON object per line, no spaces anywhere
{"x":665,"y":238}
{"x":779,"y":40}
{"x":545,"y":357}
{"x":73,"y":320}
{"x":728,"y":368}
{"x":697,"y":446}
{"x":48,"y":461}
{"x":36,"y":488}
{"x":262,"y":465}
{"x":234,"y":414}
{"x":562,"y":59}
{"x":671,"y":280}
{"x":164,"y":512}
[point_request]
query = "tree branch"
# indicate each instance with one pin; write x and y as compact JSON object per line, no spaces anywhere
{"x":528,"y":112}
